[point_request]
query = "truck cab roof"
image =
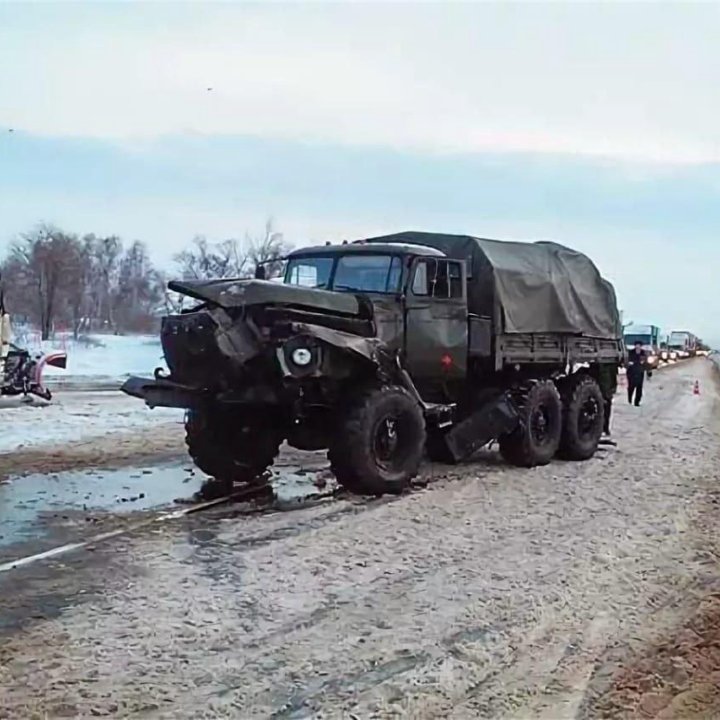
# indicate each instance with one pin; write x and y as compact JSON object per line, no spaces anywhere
{"x":360,"y":247}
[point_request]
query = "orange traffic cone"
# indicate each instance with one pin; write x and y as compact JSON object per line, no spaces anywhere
{"x":696,"y":388}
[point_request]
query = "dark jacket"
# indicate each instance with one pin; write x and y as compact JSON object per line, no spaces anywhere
{"x":636,"y":364}
{"x":608,"y":378}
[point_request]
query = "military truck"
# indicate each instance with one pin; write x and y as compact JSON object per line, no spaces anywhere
{"x":382,"y":349}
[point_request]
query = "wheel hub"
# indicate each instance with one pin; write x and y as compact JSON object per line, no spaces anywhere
{"x":588,"y":416}
{"x":539,"y":424}
{"x":386,"y":440}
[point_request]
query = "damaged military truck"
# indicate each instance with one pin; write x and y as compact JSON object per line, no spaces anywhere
{"x":383,"y":349}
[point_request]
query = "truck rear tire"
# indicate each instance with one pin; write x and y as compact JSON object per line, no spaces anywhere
{"x":583,"y":418}
{"x":536,"y":439}
{"x":229,"y":446}
{"x":379,"y":443}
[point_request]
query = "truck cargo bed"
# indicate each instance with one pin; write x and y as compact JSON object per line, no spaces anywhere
{"x":553,"y":348}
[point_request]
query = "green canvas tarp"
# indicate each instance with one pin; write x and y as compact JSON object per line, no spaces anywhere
{"x":529,"y":287}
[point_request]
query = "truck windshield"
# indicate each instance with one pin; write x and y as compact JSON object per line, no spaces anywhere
{"x":346,"y":273}
{"x":632,"y":338}
{"x":311,"y":272}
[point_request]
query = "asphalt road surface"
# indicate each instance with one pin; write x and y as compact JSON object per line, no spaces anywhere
{"x":491,"y":592}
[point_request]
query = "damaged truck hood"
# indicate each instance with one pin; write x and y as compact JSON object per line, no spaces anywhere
{"x":235,"y":293}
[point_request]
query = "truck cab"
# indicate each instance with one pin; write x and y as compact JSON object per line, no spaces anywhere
{"x":419,"y":299}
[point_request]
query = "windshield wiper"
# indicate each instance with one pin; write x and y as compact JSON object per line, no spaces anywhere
{"x":348,"y":288}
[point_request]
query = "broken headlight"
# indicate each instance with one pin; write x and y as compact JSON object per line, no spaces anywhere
{"x":300,"y":356}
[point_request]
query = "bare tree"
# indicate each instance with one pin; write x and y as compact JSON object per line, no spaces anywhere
{"x":233,"y":258}
{"x":77,"y":285}
{"x":267,"y":249}
{"x":43,"y":259}
{"x":54,"y":278}
{"x":136,"y":296}
{"x":205,"y":260}
{"x":108,"y":252}
{"x":170,"y":303}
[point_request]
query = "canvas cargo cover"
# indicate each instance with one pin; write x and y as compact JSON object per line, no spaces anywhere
{"x":530,"y":287}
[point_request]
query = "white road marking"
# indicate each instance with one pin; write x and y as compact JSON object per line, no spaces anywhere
{"x":102,"y":537}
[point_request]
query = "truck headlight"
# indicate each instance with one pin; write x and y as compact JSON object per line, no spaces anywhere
{"x":301,"y":357}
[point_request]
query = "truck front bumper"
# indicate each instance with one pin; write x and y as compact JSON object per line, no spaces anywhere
{"x":163,"y":393}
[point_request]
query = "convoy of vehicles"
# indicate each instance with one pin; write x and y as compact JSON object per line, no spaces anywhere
{"x":679,"y":345}
{"x":386,"y":348}
{"x":683,"y":343}
{"x":649,"y":336}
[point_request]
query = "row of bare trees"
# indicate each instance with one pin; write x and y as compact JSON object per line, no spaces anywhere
{"x":59,"y":280}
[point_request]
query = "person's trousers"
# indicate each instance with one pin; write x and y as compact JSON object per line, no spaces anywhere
{"x":608,"y":411}
{"x":635,"y":389}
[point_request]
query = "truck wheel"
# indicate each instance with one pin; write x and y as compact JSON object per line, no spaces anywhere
{"x":583,"y":417}
{"x":229,"y":447}
{"x":537,"y":437}
{"x":379,"y":443}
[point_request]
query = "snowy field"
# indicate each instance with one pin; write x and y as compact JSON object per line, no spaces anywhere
{"x":98,"y":363}
{"x":103,"y":358}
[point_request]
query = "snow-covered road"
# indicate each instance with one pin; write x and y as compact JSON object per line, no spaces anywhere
{"x":496,"y":592}
{"x":73,"y":416}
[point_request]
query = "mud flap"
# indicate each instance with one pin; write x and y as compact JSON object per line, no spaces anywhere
{"x":492,"y":420}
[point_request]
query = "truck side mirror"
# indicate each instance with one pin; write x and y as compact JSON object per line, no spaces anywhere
{"x":260,"y":272}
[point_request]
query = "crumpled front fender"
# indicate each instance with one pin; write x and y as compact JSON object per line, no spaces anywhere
{"x":370,"y":349}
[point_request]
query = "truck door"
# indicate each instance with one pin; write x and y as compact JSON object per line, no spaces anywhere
{"x":436,"y":321}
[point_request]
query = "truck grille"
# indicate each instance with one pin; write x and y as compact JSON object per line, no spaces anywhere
{"x":191,"y":350}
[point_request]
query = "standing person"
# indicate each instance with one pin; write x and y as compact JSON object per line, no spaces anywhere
{"x":608,"y":384}
{"x":636,"y":365}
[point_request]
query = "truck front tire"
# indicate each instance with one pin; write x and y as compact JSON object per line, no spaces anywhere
{"x":230,"y":447}
{"x":537,"y":437}
{"x":378,"y":445}
{"x":583,"y":418}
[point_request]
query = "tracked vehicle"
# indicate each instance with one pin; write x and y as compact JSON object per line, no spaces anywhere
{"x":384,"y":349}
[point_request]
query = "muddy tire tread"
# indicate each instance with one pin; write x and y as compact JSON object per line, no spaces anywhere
{"x":246,"y":458}
{"x":572,"y":390}
{"x":350,"y":461}
{"x":517,"y":447}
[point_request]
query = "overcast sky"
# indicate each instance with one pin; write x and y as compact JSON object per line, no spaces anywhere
{"x":595,"y":125}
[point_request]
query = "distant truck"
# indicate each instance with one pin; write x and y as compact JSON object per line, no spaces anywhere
{"x":383,"y":349}
{"x":649,"y":336}
{"x":683,"y":343}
